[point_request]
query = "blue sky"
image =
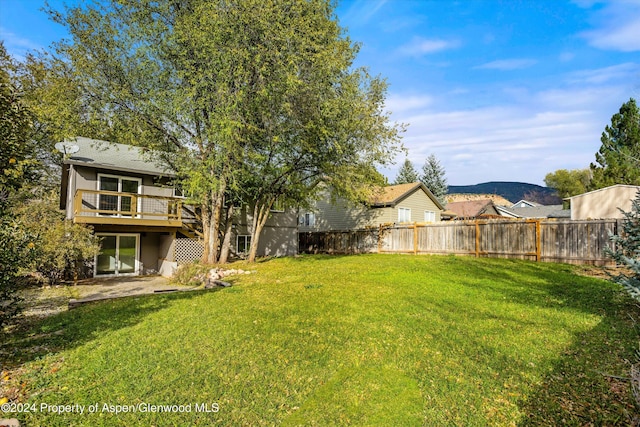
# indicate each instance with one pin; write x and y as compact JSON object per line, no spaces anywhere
{"x":497,"y":90}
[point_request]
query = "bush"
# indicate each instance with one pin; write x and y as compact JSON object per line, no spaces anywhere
{"x":16,"y":251}
{"x":62,"y":247}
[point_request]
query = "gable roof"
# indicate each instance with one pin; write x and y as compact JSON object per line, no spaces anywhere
{"x":391,"y":195}
{"x":113,"y":156}
{"x":525,"y":204}
{"x":472,"y":208}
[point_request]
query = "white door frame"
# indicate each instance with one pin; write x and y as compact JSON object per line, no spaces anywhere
{"x":119,"y":190}
{"x":137,"y":265}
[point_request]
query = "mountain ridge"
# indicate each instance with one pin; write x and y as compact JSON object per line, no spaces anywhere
{"x":511,"y":190}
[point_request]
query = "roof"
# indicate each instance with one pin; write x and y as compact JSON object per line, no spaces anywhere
{"x":393,"y":194}
{"x":470,"y":208}
{"x":118,"y":157}
{"x":540,"y":211}
{"x":525,"y":204}
{"x":637,"y":187}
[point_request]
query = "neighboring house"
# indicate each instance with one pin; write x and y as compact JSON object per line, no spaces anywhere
{"x":532,"y":210}
{"x":603,"y":203}
{"x":393,"y":204}
{"x":525,"y":204}
{"x":141,"y":219}
{"x":473,"y":209}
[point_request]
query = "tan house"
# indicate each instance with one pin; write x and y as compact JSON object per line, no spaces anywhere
{"x":141,"y":219}
{"x":603,"y":203}
{"x":393,"y":204}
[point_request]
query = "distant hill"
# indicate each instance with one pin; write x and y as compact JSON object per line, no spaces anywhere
{"x":512,"y":191}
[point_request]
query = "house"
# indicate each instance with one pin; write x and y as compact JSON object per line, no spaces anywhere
{"x":533,"y":210}
{"x":603,"y":203}
{"x":404,"y":203}
{"x":473,"y":209}
{"x":144,"y":226}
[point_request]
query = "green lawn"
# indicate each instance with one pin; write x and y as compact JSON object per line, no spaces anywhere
{"x":362,"y":340}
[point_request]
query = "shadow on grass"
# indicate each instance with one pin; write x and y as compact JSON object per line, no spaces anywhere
{"x":38,"y":337}
{"x":586,"y":385}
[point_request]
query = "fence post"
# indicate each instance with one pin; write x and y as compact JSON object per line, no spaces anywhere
{"x":477,"y":239}
{"x":538,"y":242}
{"x":380,"y":239}
{"x":415,"y":238}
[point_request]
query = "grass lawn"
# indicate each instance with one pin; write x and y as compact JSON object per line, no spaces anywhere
{"x":386,"y":340}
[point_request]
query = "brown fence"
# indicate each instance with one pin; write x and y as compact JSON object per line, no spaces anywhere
{"x":578,"y":242}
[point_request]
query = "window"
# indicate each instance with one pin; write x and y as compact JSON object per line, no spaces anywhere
{"x":243,"y":244}
{"x":178,"y":191}
{"x":278,"y":205}
{"x":429,"y":216}
{"x":404,"y":215}
{"x":112,"y":204}
{"x":308,"y":219}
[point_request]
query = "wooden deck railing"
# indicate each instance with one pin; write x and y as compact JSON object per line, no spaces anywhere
{"x":111,"y":207}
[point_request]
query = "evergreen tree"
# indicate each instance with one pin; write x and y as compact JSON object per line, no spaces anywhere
{"x":626,"y":249}
{"x":618,"y":158}
{"x":433,"y":176}
{"x":407,"y":173}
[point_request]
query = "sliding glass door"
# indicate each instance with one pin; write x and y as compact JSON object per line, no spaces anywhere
{"x":121,"y":204}
{"x":119,"y":255}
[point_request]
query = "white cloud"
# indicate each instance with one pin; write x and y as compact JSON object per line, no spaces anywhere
{"x":361,"y":11}
{"x":627,"y":72}
{"x":17,"y":46}
{"x":508,"y":64}
{"x":420,"y":46}
{"x":617,"y":26}
{"x":399,"y":104}
{"x":518,"y":140}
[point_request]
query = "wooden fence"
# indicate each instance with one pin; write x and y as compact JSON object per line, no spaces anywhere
{"x":577,"y":242}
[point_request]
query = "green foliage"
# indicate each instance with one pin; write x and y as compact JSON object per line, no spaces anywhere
{"x":626,"y":251}
{"x":433,"y":177}
{"x":407,"y":173}
{"x":618,"y":160}
{"x":62,"y":247}
{"x":568,"y":182}
{"x":17,"y":251}
{"x":17,"y":161}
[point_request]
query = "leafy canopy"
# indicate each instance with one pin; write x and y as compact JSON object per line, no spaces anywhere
{"x":568,"y":182}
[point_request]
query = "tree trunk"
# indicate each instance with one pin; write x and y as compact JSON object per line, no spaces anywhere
{"x":226,"y":242}
{"x":211,"y":227}
{"x":260,"y":216}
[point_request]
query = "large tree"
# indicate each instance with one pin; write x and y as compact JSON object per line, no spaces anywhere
{"x":407,"y":173}
{"x":568,"y":183}
{"x":618,"y":160}
{"x":252,"y":100}
{"x":433,"y":177}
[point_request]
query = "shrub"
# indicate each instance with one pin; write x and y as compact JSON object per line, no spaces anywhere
{"x":17,"y":250}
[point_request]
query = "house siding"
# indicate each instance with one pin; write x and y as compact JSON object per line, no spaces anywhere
{"x":279,"y":236}
{"x":603,"y":203}
{"x":343,"y":215}
{"x":417,"y":201}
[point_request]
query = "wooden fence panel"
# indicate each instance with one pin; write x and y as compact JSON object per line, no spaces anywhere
{"x":578,"y":242}
{"x":399,"y":239}
{"x":447,"y":238}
